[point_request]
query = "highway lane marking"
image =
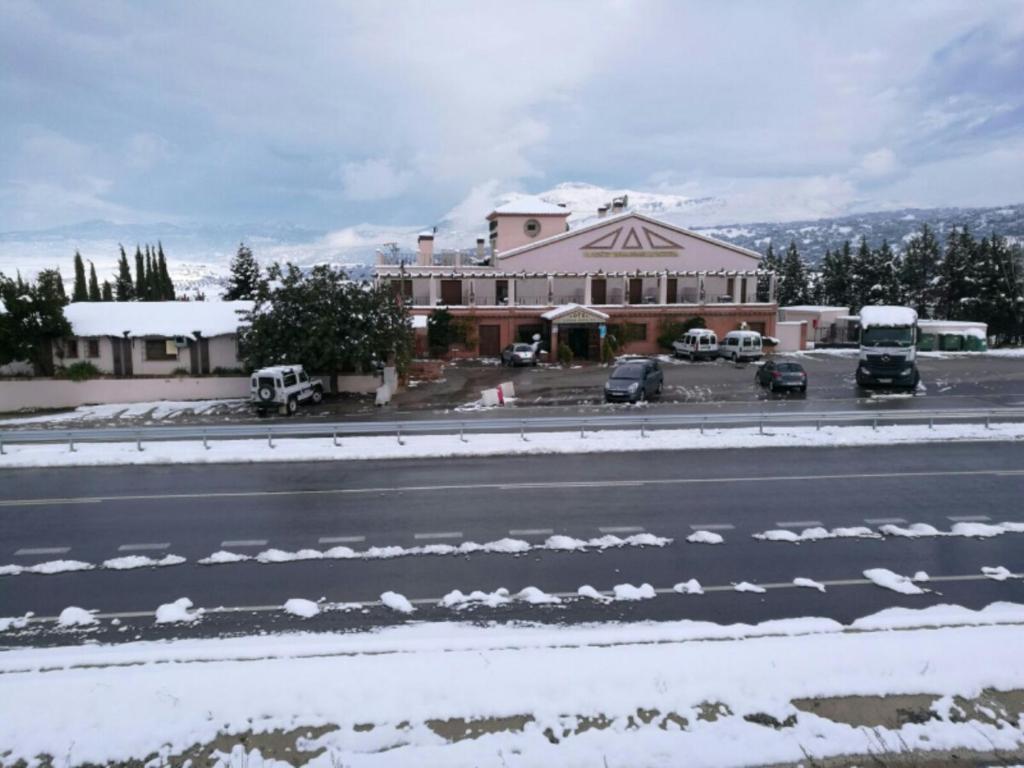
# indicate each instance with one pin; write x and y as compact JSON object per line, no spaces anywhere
{"x":712,"y":527}
{"x":968,"y":518}
{"x":341,"y":539}
{"x":29,"y":551}
{"x":244,"y":543}
{"x":884,"y":520}
{"x":855,"y":582}
{"x":531,"y":532}
{"x":439,"y":535}
{"x":142,"y":547}
{"x":800,"y":524}
{"x":621,"y":529}
{"x":507,"y":486}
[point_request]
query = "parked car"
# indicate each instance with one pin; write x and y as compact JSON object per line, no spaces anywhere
{"x":518,"y":354}
{"x":634,"y":380}
{"x":741,"y":345}
{"x":696,"y":344}
{"x":283,"y":387}
{"x":782,"y":374}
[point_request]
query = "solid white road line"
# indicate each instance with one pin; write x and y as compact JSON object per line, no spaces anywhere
{"x":712,"y":527}
{"x":531,"y":531}
{"x":968,"y":518}
{"x":142,"y":547}
{"x":884,"y":520}
{"x":799,"y":524}
{"x":341,"y":539}
{"x":41,"y":551}
{"x":442,"y":535}
{"x":244,"y":543}
{"x":621,"y":529}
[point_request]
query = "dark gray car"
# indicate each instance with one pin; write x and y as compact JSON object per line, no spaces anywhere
{"x":633,"y":380}
{"x":782,"y":374}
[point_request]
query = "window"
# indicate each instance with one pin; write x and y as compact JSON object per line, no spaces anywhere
{"x":289,"y":380}
{"x":71,"y":348}
{"x":303,"y":377}
{"x":161,"y":349}
{"x":637,"y":331}
{"x":531,"y":227}
{"x":93,"y":346}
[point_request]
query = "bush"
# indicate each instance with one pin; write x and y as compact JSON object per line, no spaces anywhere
{"x":609,"y":349}
{"x":83,"y":370}
{"x":180,"y":372}
{"x":439,"y":332}
{"x":221,"y":371}
{"x":671,"y":330}
{"x":564,"y":354}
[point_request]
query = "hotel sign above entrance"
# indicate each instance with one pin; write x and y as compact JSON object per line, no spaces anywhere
{"x":631,"y":254}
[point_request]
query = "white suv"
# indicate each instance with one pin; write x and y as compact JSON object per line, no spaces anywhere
{"x":283,"y":387}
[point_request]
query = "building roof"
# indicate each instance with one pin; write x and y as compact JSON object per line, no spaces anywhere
{"x":530,"y":206}
{"x":155,"y":318}
{"x":621,"y":217}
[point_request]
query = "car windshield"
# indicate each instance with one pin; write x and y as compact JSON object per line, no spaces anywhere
{"x":879,"y":336}
{"x":791,"y":367}
{"x":628,"y":372}
{"x":523,"y":348}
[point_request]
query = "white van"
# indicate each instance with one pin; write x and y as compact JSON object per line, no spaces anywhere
{"x":696,"y":343}
{"x":741,"y":345}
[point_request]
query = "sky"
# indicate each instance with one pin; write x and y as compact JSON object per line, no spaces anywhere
{"x":324,"y":115}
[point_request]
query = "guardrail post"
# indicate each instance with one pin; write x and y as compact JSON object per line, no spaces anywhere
{"x":986,"y":422}
{"x":462,"y":433}
{"x":817,"y":425}
{"x":71,"y":444}
{"x":702,"y":425}
{"x":334,"y":437}
{"x":138,"y":441}
{"x":874,"y":424}
{"x":643,"y":424}
{"x":760,"y":427}
{"x":522,"y":431}
{"x":583,"y":434}
{"x":398,"y":432}
{"x":931,"y":423}
{"x":2,"y":447}
{"x":270,"y":439}
{"x":206,"y":445}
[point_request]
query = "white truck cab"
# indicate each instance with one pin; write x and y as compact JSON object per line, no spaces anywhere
{"x":888,"y":347}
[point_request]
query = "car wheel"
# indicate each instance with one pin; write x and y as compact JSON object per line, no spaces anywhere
{"x":292,"y":405}
{"x":771,"y":386}
{"x":657,"y":391}
{"x":318,"y":396}
{"x":803,"y":390}
{"x":735,"y":358}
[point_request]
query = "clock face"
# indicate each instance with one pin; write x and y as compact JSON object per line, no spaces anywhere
{"x":531,"y":227}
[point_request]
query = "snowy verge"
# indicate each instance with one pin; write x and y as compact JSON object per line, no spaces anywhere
{"x":549,"y":676}
{"x":434,"y":446}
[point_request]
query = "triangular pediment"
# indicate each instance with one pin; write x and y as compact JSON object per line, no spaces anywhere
{"x":632,"y":241}
{"x":606,"y":241}
{"x":659,"y":241}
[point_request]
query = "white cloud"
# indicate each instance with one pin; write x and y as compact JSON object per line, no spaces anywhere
{"x":881,"y":162}
{"x":374,"y":179}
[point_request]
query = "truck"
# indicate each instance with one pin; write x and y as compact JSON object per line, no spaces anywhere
{"x":888,"y":347}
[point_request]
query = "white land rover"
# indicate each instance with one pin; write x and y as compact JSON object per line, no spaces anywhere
{"x":283,"y":387}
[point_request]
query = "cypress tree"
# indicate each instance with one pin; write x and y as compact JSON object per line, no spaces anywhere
{"x":94,"y":286}
{"x":166,"y":284}
{"x":140,"y":275}
{"x":770,"y":263}
{"x":108,"y":291}
{"x":245,"y":276}
{"x":123,"y":287}
{"x":80,"y":292}
{"x":794,"y":288}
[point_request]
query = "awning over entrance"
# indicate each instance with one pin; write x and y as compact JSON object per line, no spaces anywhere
{"x":575,"y":314}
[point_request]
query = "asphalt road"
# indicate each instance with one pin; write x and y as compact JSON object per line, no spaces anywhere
{"x":93,"y":514}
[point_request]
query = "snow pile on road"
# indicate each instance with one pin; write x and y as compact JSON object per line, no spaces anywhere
{"x":129,"y":562}
{"x":800,"y":581}
{"x":691,"y":587}
{"x":883,"y":577}
{"x":457,"y":600}
{"x":15,"y":622}
{"x":153,"y":410}
{"x":535,"y":596}
{"x":817,"y":534}
{"x":49,"y":567}
{"x":999,"y":572}
{"x":177,"y":612}
{"x":629,"y":592}
{"x":305,"y":609}
{"x":73,"y":616}
{"x":583,"y":683}
{"x":501,"y":444}
{"x":966,"y":529}
{"x":746,"y":586}
{"x":592,"y":594}
{"x":705,"y":537}
{"x":397,"y":602}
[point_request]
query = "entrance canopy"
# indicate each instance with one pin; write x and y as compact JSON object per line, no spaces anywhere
{"x":576,"y":314}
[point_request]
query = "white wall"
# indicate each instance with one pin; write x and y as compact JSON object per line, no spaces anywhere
{"x":789,"y":335}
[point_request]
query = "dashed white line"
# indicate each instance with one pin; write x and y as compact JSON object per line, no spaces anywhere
{"x":341,"y":539}
{"x":441,"y":535}
{"x":968,"y":518}
{"x":799,"y":524}
{"x":29,"y":551}
{"x":884,"y":520}
{"x":142,"y":547}
{"x":621,"y":529}
{"x":712,"y":527}
{"x":531,"y":531}
{"x":244,"y":543}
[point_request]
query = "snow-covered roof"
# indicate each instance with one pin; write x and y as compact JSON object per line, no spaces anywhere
{"x":155,"y":318}
{"x":887,"y":315}
{"x":530,"y":206}
{"x":565,"y":309}
{"x":961,"y":327}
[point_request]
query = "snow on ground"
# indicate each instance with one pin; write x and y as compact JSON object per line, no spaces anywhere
{"x":397,"y":602}
{"x":746,"y":586}
{"x":49,"y":567}
{"x":177,"y":612}
{"x":100,"y":704}
{"x":155,"y":410}
{"x":425,"y":446}
{"x":589,"y":592}
{"x":457,"y":600}
{"x":817,"y":534}
{"x":630,"y":592}
{"x":73,"y":616}
{"x":999,"y":572}
{"x":305,"y":609}
{"x":705,"y":537}
{"x":883,"y":577}
{"x":141,"y":561}
{"x":691,"y":587}
{"x":535,"y":596}
{"x":970,"y":530}
{"x":800,"y":581}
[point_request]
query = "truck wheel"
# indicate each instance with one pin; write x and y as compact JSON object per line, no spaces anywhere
{"x":292,"y":406}
{"x":318,"y":396}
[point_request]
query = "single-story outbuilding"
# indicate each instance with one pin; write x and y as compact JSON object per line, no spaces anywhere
{"x":153,"y":338}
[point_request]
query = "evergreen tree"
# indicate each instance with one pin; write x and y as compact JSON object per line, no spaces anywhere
{"x":954,"y":283}
{"x":889,"y":275}
{"x":793,"y":287}
{"x":140,"y":275}
{"x":80,"y":292}
{"x":94,"y":286}
{"x":770,"y":263}
{"x":151,"y":277}
{"x":33,"y":320}
{"x":918,"y":271}
{"x":166,"y":284}
{"x":123,"y":287}
{"x":873,"y":276}
{"x":245,"y":275}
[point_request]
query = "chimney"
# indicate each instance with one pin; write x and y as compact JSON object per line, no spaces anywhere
{"x":457,"y":260}
{"x":481,"y":254}
{"x":425,"y":246}
{"x":380,"y":257}
{"x":618,"y":204}
{"x":602,"y":211}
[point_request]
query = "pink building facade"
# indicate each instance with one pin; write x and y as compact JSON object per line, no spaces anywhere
{"x":625,"y":275}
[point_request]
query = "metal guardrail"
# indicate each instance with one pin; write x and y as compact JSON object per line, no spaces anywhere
{"x":506,"y":424}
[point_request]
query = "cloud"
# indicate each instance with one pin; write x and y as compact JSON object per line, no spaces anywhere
{"x":881,"y":162}
{"x":375,"y":179}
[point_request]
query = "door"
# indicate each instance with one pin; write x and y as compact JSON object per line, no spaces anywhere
{"x":599,"y":291}
{"x":578,"y":340}
{"x":636,"y":290}
{"x":672,"y":290}
{"x":501,"y":291}
{"x":451,"y":292}
{"x":490,"y":340}
{"x":204,"y":356}
{"x":115,"y":348}
{"x":193,"y":357}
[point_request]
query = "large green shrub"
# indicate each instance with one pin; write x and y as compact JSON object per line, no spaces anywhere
{"x":83,"y":370}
